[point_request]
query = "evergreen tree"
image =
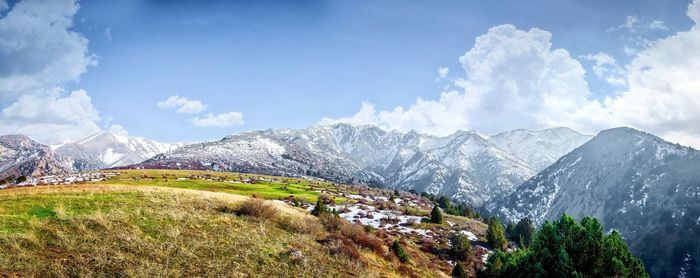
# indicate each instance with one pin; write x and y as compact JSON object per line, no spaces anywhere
{"x":565,"y":248}
{"x":461,"y":248}
{"x":320,"y":208}
{"x":523,"y":233}
{"x":398,"y":250}
{"x":436,"y":215}
{"x":496,"y":235}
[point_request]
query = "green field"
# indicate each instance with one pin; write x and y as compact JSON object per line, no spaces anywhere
{"x":113,"y":230}
{"x":268,"y":187}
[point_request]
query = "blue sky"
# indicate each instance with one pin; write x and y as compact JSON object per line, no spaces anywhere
{"x":293,"y":63}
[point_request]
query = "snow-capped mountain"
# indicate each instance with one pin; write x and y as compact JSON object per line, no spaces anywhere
{"x":106,"y":150}
{"x":633,"y":182}
{"x":21,"y":156}
{"x":466,"y":165}
{"x":539,"y":149}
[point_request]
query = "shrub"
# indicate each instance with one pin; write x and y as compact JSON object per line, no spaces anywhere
{"x":458,"y":271}
{"x":257,"y":208}
{"x":399,"y":252}
{"x":303,"y":225}
{"x":429,"y":245}
{"x":340,"y":245}
{"x":331,"y":222}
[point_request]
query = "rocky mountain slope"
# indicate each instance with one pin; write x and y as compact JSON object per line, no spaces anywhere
{"x":635,"y":182}
{"x":21,"y":156}
{"x":106,"y":150}
{"x":467,"y":166}
{"x":539,"y":149}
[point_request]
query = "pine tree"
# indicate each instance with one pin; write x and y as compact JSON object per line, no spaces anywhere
{"x":398,"y":250}
{"x":496,"y":235}
{"x":436,"y":215}
{"x":461,"y":248}
{"x":320,"y":208}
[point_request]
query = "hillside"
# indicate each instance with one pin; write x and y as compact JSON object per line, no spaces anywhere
{"x":188,"y":223}
{"x":634,"y":182}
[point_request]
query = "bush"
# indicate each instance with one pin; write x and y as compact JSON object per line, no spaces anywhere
{"x":399,"y":252}
{"x":303,"y":225}
{"x":340,"y":245}
{"x":257,"y":208}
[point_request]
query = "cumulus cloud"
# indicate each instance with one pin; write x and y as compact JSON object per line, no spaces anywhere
{"x":442,"y":73}
{"x":40,"y":53}
{"x":515,"y":79}
{"x":52,"y":117}
{"x":182,"y":105}
{"x":218,"y":120}
{"x":38,"y":49}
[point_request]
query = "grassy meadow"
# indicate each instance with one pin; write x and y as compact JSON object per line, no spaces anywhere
{"x":262,"y":186}
{"x":152,"y":224}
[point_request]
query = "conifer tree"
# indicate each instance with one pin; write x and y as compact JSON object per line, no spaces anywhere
{"x":496,"y":235}
{"x":436,"y":215}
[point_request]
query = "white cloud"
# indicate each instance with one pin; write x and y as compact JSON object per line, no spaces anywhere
{"x":514,"y":79}
{"x":39,"y":55}
{"x":182,"y":105}
{"x":3,"y":5}
{"x":38,"y":49}
{"x":51,"y":117}
{"x":442,"y":73}
{"x":218,"y":120}
{"x":606,"y":67}
{"x":634,"y":25}
{"x":118,"y":129}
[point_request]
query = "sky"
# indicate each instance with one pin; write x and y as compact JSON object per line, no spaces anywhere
{"x":187,"y":71}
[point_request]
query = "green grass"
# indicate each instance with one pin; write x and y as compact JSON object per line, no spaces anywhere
{"x":275,"y":188}
{"x":90,"y":231}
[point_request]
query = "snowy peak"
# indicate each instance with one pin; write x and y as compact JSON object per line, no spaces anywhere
{"x":105,"y":150}
{"x":21,"y":156}
{"x":539,"y":149}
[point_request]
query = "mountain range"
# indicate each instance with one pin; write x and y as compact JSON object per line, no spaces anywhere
{"x":466,"y":165}
{"x":634,"y":182}
{"x":21,"y":156}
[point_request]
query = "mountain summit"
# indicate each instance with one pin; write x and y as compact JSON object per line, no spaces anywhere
{"x":106,"y":150}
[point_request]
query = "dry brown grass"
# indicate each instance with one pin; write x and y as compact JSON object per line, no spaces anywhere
{"x":256,"y":208}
